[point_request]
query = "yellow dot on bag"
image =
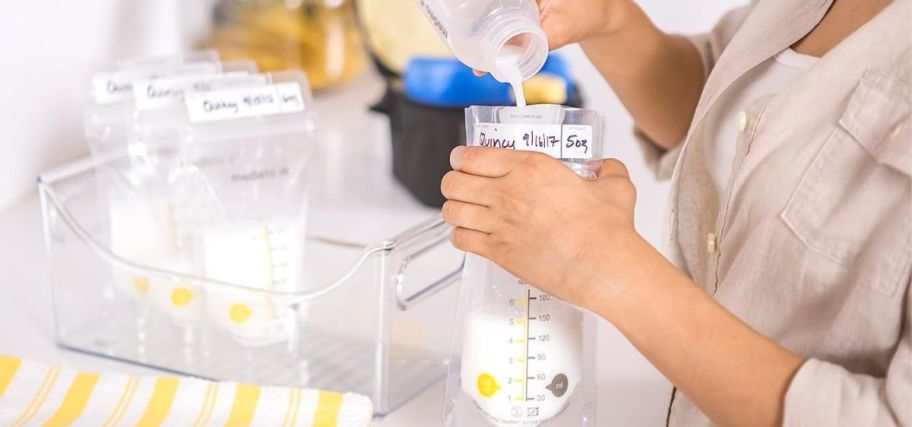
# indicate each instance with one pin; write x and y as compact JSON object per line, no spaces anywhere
{"x":239,"y":313}
{"x":181,"y":297}
{"x":141,"y":284}
{"x":487,"y":386}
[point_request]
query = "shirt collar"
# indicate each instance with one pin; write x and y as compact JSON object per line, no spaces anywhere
{"x":771,"y":27}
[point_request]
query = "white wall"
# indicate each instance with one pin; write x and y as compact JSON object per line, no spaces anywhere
{"x":48,"y":49}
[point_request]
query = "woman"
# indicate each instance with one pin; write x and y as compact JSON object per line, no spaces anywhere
{"x":788,"y":131}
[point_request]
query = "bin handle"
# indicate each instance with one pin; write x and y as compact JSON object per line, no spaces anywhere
{"x":427,"y":291}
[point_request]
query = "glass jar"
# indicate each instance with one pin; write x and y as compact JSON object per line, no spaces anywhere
{"x":318,"y":36}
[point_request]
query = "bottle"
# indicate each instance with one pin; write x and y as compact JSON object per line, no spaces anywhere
{"x":502,"y":37}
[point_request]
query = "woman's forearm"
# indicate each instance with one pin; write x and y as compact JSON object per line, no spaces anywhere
{"x":658,"y":77}
{"x":731,"y":372}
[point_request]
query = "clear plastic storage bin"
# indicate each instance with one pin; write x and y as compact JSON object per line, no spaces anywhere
{"x":370,"y":320}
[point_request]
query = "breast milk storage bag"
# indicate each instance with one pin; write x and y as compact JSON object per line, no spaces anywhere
{"x":235,"y":191}
{"x":253,"y":166}
{"x":113,"y":104}
{"x":135,"y":176}
{"x":522,"y":357}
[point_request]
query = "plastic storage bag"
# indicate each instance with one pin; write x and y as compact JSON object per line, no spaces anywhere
{"x":222,"y":189}
{"x":520,"y":356}
{"x":116,"y":85}
{"x":118,"y":95}
{"x":241,"y":188}
{"x":142,"y":226}
{"x":253,"y":175}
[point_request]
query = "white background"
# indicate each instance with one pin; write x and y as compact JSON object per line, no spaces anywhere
{"x":48,"y":51}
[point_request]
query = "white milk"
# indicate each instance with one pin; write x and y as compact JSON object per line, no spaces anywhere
{"x":508,"y":69}
{"x":258,"y":256}
{"x":143,"y":231}
{"x":497,"y":364}
{"x":261,"y":256}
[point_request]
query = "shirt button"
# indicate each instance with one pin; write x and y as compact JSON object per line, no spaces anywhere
{"x":711,"y":244}
{"x":896,"y":131}
{"x":742,"y":121}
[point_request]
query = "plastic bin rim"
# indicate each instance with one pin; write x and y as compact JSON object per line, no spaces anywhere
{"x":46,"y":182}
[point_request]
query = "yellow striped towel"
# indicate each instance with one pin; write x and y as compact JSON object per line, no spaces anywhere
{"x":32,"y":394}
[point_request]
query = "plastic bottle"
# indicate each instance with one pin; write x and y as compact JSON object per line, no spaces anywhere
{"x":503,"y":37}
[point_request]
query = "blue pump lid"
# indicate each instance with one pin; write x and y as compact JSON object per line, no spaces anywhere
{"x":446,"y":82}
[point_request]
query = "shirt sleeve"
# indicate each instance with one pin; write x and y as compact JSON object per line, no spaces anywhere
{"x":710,"y":46}
{"x":825,"y":394}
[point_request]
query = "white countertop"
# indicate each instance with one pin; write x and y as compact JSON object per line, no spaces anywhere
{"x":631,"y":392}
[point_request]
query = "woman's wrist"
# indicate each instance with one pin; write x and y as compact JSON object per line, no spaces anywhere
{"x":625,"y":21}
{"x":622,"y":16}
{"x":626,"y":47}
{"x":616,"y":274}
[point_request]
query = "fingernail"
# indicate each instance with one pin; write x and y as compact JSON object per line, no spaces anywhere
{"x":456,"y":157}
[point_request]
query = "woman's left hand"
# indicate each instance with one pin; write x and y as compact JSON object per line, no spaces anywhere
{"x":536,"y":218}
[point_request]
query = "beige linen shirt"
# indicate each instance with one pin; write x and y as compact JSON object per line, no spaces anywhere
{"x":812,"y":243}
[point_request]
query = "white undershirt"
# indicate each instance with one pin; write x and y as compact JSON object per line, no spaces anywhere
{"x":729,"y":117}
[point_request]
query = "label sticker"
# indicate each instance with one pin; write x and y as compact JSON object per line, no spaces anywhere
{"x":281,"y":98}
{"x":111,"y":87}
{"x":577,"y":141}
{"x":114,"y":86}
{"x":157,"y":93}
{"x":558,"y":141}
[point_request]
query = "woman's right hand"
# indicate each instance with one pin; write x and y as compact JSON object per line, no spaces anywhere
{"x":572,"y":21}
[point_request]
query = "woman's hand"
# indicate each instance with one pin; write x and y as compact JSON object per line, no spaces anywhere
{"x":536,"y":218}
{"x":658,"y":77}
{"x":572,"y":21}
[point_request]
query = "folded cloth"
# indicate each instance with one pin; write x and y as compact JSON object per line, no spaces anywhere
{"x":36,"y":394}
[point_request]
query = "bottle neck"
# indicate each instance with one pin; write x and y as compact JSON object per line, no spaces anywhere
{"x":516,"y":31}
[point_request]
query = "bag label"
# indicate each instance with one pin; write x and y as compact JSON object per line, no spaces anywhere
{"x":254,"y":101}
{"x":114,"y":86}
{"x":156,"y":93}
{"x":558,"y":141}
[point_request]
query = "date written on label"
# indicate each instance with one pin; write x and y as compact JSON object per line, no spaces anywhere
{"x":158,"y":93}
{"x":558,"y":141}
{"x":281,"y":98}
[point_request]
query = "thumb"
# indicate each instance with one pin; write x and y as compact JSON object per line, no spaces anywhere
{"x":613,"y":168}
